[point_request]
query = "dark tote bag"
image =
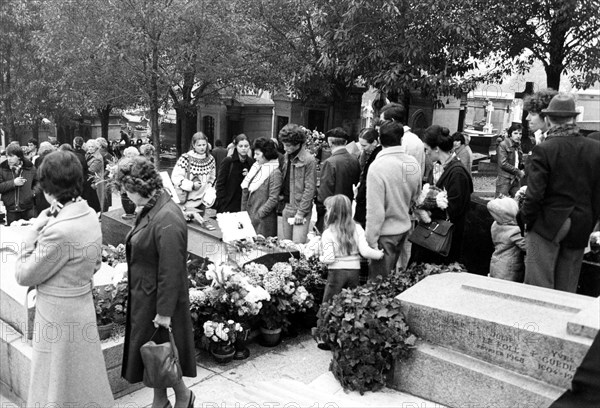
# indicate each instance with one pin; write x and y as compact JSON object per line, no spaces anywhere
{"x":161,"y":363}
{"x":435,"y":236}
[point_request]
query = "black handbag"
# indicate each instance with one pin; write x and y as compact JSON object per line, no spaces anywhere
{"x":435,"y":236}
{"x":161,"y":363}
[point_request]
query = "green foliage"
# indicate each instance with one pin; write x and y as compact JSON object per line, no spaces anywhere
{"x":366,"y":330}
{"x":110,"y":302}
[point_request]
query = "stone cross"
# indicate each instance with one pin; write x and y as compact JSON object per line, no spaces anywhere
{"x":488,"y":128}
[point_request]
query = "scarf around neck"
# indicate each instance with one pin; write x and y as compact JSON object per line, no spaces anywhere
{"x":258,"y":174}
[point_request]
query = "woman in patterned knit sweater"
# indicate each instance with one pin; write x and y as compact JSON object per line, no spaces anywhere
{"x":195,"y":171}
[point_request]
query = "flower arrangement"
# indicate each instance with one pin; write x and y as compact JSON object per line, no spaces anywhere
{"x":109,"y":175}
{"x":287,"y":296}
{"x":431,"y":198}
{"x":231,"y":295}
{"x":196,"y":269}
{"x":222,"y":332}
{"x":114,"y":255}
{"x":311,"y":274}
{"x":315,"y":141}
{"x":520,"y":196}
{"x":110,"y":303}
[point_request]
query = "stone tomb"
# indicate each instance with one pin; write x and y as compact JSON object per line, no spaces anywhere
{"x":202,"y":242}
{"x":488,"y":342}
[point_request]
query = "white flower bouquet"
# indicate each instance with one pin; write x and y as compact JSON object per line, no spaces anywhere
{"x":431,"y":198}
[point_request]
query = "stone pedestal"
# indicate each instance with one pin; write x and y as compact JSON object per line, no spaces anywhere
{"x":201,"y":241}
{"x":485,"y":341}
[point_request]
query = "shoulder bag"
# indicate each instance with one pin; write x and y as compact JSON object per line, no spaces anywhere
{"x":182,"y":195}
{"x":161,"y":363}
{"x":435,"y":236}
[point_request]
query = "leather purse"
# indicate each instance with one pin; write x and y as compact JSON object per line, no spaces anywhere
{"x":161,"y":363}
{"x":435,"y":236}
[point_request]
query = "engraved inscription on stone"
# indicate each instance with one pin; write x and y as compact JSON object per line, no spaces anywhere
{"x":517,"y":346}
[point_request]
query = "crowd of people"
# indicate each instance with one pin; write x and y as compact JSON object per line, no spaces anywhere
{"x":365,"y":200}
{"x":21,"y":193}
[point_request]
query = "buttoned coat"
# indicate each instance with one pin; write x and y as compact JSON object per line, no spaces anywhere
{"x":156,"y":258}
{"x":303,"y":180}
{"x":261,"y":205}
{"x":338,"y":175}
{"x":67,"y":366}
{"x":564,"y":182}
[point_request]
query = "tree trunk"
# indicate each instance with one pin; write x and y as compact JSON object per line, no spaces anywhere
{"x":154,"y":105}
{"x":35,"y":130}
{"x":553,"y":76}
{"x":188,"y":128}
{"x":104,"y":115}
{"x":178,"y":142}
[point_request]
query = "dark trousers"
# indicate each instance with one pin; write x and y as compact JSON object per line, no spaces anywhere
{"x":393,"y":247}
{"x":338,"y":279}
{"x":550,"y":264}
{"x":19,"y":215}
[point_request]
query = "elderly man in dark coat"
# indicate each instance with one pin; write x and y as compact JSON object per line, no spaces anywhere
{"x":562,"y":202}
{"x":339,"y":173}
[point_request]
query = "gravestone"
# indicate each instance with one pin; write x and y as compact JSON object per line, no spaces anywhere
{"x":489,"y":342}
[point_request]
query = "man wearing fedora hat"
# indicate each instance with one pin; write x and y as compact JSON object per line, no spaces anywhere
{"x":562,"y":202}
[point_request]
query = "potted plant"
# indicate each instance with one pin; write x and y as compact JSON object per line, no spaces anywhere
{"x":287,"y":296}
{"x":366,"y":330}
{"x":120,"y":302}
{"x":105,"y":308}
{"x":312,"y":274}
{"x":114,"y":255}
{"x":230,"y":295}
{"x":222,"y":336}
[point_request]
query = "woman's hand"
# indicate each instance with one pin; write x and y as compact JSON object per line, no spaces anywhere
{"x":164,"y":321}
{"x":245,"y":172}
{"x":381,"y":254}
{"x":197,"y":185}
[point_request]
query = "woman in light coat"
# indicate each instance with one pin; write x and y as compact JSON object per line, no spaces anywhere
{"x":261,"y":187}
{"x":61,"y":252}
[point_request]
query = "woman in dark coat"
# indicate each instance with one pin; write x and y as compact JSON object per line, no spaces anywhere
{"x":231,"y":173}
{"x":261,"y":187}
{"x":158,"y":286}
{"x":457,"y":181}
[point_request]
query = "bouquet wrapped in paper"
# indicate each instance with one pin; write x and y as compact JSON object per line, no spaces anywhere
{"x":431,"y":198}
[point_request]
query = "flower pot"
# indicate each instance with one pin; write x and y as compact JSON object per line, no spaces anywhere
{"x":222,"y":353}
{"x":128,"y":207}
{"x":241,"y":351}
{"x":119,"y":318}
{"x":105,"y":330}
{"x":270,"y":337}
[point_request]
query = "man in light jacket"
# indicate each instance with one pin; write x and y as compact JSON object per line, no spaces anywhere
{"x":393,"y":184}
